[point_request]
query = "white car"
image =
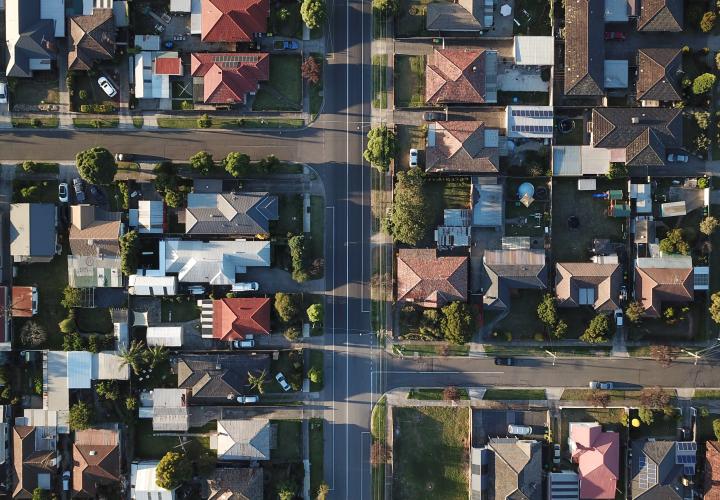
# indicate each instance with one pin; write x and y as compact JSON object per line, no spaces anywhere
{"x":677,"y":158}
{"x":63,"y":192}
{"x":248,"y":400}
{"x":618,"y":317}
{"x":3,"y":93}
{"x":605,"y":386}
{"x":107,"y":86}
{"x":66,"y":480}
{"x":243,"y":344}
{"x":283,"y":383}
{"x":413,"y":157}
{"x":251,"y":286}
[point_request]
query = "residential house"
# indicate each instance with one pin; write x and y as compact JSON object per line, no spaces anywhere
{"x":597,"y":454}
{"x":24,"y":301}
{"x":94,"y":232}
{"x":659,"y":73}
{"x":234,"y":319}
{"x":230,"y":213}
{"x":660,"y":280}
{"x":168,"y":409}
{"x":34,"y":460}
{"x":92,"y":39}
{"x":511,"y":269}
{"x":563,"y":485}
{"x":143,"y":482}
{"x":153,"y":70}
{"x":658,"y":469}
{"x":461,"y":76}
{"x":96,"y":461}
{"x":33,"y":236}
{"x":463,"y":147}
{"x":145,"y":285}
{"x":465,"y":16}
{"x":233,"y":21}
{"x":660,"y":15}
{"x":428,"y":280}
{"x":234,"y":484}
{"x":637,"y":136}
{"x":148,"y":217}
{"x":229,"y":77}
{"x":711,"y":472}
{"x":507,"y":468}
{"x":588,"y":283}
{"x":584,"y":48}
{"x":247,"y":439}
{"x":30,"y":38}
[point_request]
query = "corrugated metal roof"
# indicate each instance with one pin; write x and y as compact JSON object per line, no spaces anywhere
{"x":143,"y":483}
{"x":79,"y":369}
{"x":534,"y":50}
{"x":169,"y":336}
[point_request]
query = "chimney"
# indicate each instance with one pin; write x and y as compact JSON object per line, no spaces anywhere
{"x":474,"y":69}
{"x":92,"y":453}
{"x":635,"y":119}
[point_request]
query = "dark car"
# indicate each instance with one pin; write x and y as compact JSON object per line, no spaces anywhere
{"x":79,"y":188}
{"x":290,"y":45}
{"x":614,"y":35}
{"x":433,"y":116}
{"x":504,"y":361}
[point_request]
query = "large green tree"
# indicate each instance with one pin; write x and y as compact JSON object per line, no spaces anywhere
{"x":96,"y":165}
{"x":386,"y":7}
{"x":457,"y":323}
{"x":202,"y":161}
{"x":634,"y":311}
{"x":313,"y":13}
{"x":674,"y":243}
{"x":287,"y":306}
{"x":703,"y":83}
{"x":172,"y":470}
{"x":80,"y":416}
{"x":237,"y":164}
{"x":547,"y":311}
{"x":380,"y":148}
{"x":133,"y":356}
{"x":407,"y":221}
{"x":597,"y":330}
{"x":129,"y":252}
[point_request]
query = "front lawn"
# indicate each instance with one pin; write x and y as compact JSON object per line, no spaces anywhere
{"x":35,"y":191}
{"x":44,"y":121}
{"x":521,"y":323}
{"x":439,"y":195}
{"x":411,"y":19}
{"x":290,"y":363}
{"x":219,"y":122}
{"x":289,"y":441}
{"x":179,"y":311}
{"x":688,"y":324}
{"x":435,"y":394}
{"x":291,"y":26}
{"x":316,"y":361}
{"x":317,"y":229}
{"x":317,"y":443}
{"x":379,"y":81}
{"x":663,"y":426}
{"x":409,"y":81}
{"x":704,"y":427}
{"x":514,"y":394}
{"x":283,"y":92}
{"x":88,"y":122}
{"x":432,"y":349}
{"x":431,"y":453}
{"x":290,"y":217}
{"x":408,"y":136}
{"x":42,"y":88}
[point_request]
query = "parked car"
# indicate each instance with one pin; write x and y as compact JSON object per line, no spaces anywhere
{"x":196,"y":290}
{"x":605,"y":386}
{"x":290,"y":45}
{"x":66,"y":480}
{"x":248,"y":400}
{"x":283,"y":383}
{"x":433,"y":116}
{"x":250,"y":286}
{"x":413,"y":157}
{"x":124,"y":157}
{"x":63,"y":193}
{"x":107,"y":86}
{"x":556,"y":453}
{"x":623,"y":293}
{"x":618,"y":315}
{"x":3,"y":93}
{"x":614,"y":35}
{"x":677,"y":158}
{"x":504,"y":361}
{"x":242,"y":344}
{"x":79,"y":188}
{"x":519,"y":430}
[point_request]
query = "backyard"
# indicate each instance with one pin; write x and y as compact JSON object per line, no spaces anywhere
{"x":410,"y":20}
{"x":409,"y":81}
{"x":533,"y":18}
{"x":573,"y":137}
{"x":283,"y":92}
{"x":179,"y":311}
{"x":426,"y":437}
{"x":439,"y":195}
{"x":151,"y":445}
{"x":95,"y":320}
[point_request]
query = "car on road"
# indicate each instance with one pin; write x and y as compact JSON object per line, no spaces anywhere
{"x":63,"y":193}
{"x":3,"y":93}
{"x":242,"y":344}
{"x":614,"y":35}
{"x":413,"y":157}
{"x":79,"y":188}
{"x":107,"y":86}
{"x":250,"y":286}
{"x":618,"y":315}
{"x":519,"y":430}
{"x":433,"y":116}
{"x":66,"y":480}
{"x":504,"y":361}
{"x":605,"y":386}
{"x":248,"y":400}
{"x":556,"y":453}
{"x":124,"y":157}
{"x":677,"y":158}
{"x":283,"y":383}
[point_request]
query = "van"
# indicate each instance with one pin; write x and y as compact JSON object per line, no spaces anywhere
{"x":519,"y":430}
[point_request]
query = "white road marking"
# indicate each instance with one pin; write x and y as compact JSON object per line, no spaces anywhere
{"x":440,"y":372}
{"x":347,"y":240}
{"x":333,"y":351}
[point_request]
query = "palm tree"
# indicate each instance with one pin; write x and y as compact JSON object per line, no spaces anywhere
{"x":258,"y":381}
{"x":155,"y":355}
{"x":133,"y":356}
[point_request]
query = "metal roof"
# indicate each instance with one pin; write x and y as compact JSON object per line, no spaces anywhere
{"x":169,"y":336}
{"x":534,"y":50}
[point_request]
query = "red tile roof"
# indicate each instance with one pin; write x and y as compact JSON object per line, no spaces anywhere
{"x":233,"y":20}
{"x":96,"y":457}
{"x":233,"y":319}
{"x":712,"y":470}
{"x":228,"y":77}
{"x":429,"y":280}
{"x":4,"y":318}
{"x":22,"y":301}
{"x":655,"y":285}
{"x":455,"y":76}
{"x":598,"y":458}
{"x":168,"y":66}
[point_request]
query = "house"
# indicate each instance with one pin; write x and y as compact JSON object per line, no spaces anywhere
{"x":143,"y":482}
{"x":33,"y":236}
{"x":24,"y":301}
{"x":236,"y":318}
{"x":152,"y":285}
{"x":563,"y":485}
{"x":597,"y":454}
{"x":230,"y":213}
{"x":428,"y":280}
{"x":511,"y":269}
{"x":168,"y":409}
{"x":711,"y":479}
{"x":94,"y":232}
{"x":167,"y":336}
{"x":92,"y":39}
{"x":34,"y":460}
{"x":507,"y":468}
{"x":660,"y":15}
{"x":660,"y":280}
{"x":587,"y":283}
{"x":85,"y":271}
{"x":247,"y":439}
{"x":233,"y":21}
{"x":659,"y":469}
{"x":529,"y":122}
{"x":153,"y":70}
{"x":96,"y":461}
{"x":228,"y":78}
{"x":464,"y":147}
{"x":148,"y":217}
{"x":659,"y":73}
{"x":234,"y":484}
{"x":469,"y":16}
{"x":30,"y":38}
{"x":461,"y":76}
{"x":584,"y":48}
{"x":4,"y":434}
{"x":637,"y":136}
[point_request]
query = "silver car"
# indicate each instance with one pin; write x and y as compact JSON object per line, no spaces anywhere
{"x":107,"y":86}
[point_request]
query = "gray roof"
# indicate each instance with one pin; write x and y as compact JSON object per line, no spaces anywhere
{"x":660,"y":477}
{"x":515,"y":469}
{"x":465,"y":15}
{"x":659,"y":74}
{"x":35,"y":37}
{"x":213,"y":377}
{"x":230,"y":213}
{"x":32,"y":229}
{"x":660,"y":15}
{"x":505,"y":270}
{"x":247,"y":439}
{"x":584,"y":48}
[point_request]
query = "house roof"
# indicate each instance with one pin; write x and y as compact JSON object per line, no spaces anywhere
{"x":458,"y":76}
{"x":655,"y":473}
{"x":574,"y":280}
{"x":230,"y":213}
{"x":170,"y":409}
{"x":28,"y":36}
{"x":214,"y":377}
{"x":597,"y":454}
{"x":505,"y":270}
{"x":462,"y":146}
{"x":143,"y":482}
{"x":712,"y":470}
{"x":168,"y":66}
{"x":94,"y":232}
{"x":516,"y":469}
{"x":644,"y":133}
{"x":22,"y":302}
{"x":247,"y":439}
{"x":32,"y":229}
{"x":96,"y":461}
{"x":30,"y":463}
{"x":429,"y":280}
{"x":660,"y":15}
{"x":584,"y":48}
{"x":233,"y":20}
{"x":234,"y":484}
{"x":92,"y":39}
{"x":233,"y":319}
{"x":168,"y":336}
{"x":465,"y":15}
{"x":228,"y":77}
{"x":667,"y":279}
{"x":658,"y":74}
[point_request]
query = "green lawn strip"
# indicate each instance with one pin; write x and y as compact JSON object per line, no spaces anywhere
{"x":289,"y":441}
{"x":290,"y":218}
{"x":45,"y":192}
{"x":378,"y":482}
{"x":432,"y":349}
{"x":428,"y":436}
{"x":174,"y":311}
{"x":435,"y":394}
{"x":95,"y":320}
{"x":87,"y":122}
{"x":27,"y":122}
{"x":379,"y":81}
{"x":151,"y":445}
{"x":317,"y":447}
{"x":514,"y":394}
{"x":283,"y":91}
{"x":273,"y":123}
{"x":316,"y":361}
{"x":378,"y":419}
{"x":439,"y":195}
{"x":232,"y":123}
{"x":615,"y":395}
{"x":544,"y":350}
{"x":39,"y":168}
{"x":706,"y":394}
{"x":317,"y":228}
{"x":409,"y":78}
{"x":316,"y":99}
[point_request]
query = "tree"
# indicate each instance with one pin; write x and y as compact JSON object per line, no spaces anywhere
{"x":663,"y":354}
{"x":202,"y":161}
{"x":380,"y":148}
{"x":599,"y":398}
{"x":323,"y":491}
{"x":107,"y":389}
{"x":131,"y":403}
{"x":287,"y":306}
{"x":315,"y":313}
{"x":313,"y":13}
{"x":133,"y":356}
{"x":173,"y":198}
{"x":547,"y":311}
{"x":703,"y":83}
{"x":32,"y":334}
{"x":237,"y":164}
{"x":80,"y":416}
{"x":708,"y":225}
{"x":716,"y":428}
{"x":40,"y":494}
{"x":634,"y":311}
{"x":457,"y":323}
{"x":715,"y":307}
{"x":96,"y":165}
{"x":172,"y":470}
{"x":387,"y":7}
{"x":407,"y":221}
{"x":673,"y":243}
{"x":451,"y":393}
{"x":93,"y":343}
{"x":654,"y":397}
{"x":707,"y":23}
{"x":205,"y":121}
{"x":29,"y":166}
{"x":315,"y":375}
{"x":258,"y":381}
{"x":296,"y":244}
{"x":617,"y":171}
{"x":292,"y":333}
{"x":311,"y":70}
{"x":596,"y":330}
{"x":286,"y":490}
{"x":560,"y":329}
{"x":155,"y":355}
{"x":129,"y":252}
{"x":72,"y":297}
{"x":73,"y":342}
{"x":646,"y":415}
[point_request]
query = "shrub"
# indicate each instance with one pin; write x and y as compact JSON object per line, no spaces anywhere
{"x":451,"y":393}
{"x":292,"y":333}
{"x":202,"y":161}
{"x":297,"y":255}
{"x":96,"y":165}
{"x":204,"y":121}
{"x":67,"y":325}
{"x":83,"y":95}
{"x":287,"y":306}
{"x":716,"y":428}
{"x":703,"y":182}
{"x":596,"y":330}
{"x":172,"y":470}
{"x":646,"y":415}
{"x":457,"y":323}
{"x":313,"y":13}
{"x":380,"y":148}
{"x":703,"y":83}
{"x":708,"y":225}
{"x":29,"y":166}
{"x":707,"y":23}
{"x":702,"y":118}
{"x":634,"y":311}
{"x":673,"y":243}
{"x":80,"y":416}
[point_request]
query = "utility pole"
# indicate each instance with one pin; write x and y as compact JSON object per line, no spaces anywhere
{"x":554,"y":356}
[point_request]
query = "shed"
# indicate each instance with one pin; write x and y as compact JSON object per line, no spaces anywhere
{"x":616,"y":74}
{"x":152,"y":285}
{"x":673,"y":209}
{"x":534,"y":50}
{"x":644,"y":231}
{"x":168,"y":336}
{"x":143,"y":482}
{"x":642,"y":194}
{"x":574,"y":161}
{"x":79,"y":369}
{"x":587,"y":184}
{"x":620,"y":210}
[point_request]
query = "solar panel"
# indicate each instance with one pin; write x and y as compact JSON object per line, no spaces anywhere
{"x":647,"y":476}
{"x":689,"y":470}
{"x":687,"y":446}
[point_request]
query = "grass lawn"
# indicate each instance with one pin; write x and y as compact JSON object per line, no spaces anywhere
{"x":433,"y":350}
{"x":290,"y":218}
{"x":663,"y":426}
{"x":704,"y":427}
{"x":521,"y":322}
{"x":232,"y":123}
{"x":46,"y":192}
{"x":425,"y":437}
{"x":289,"y":441}
{"x":691,"y":131}
{"x":517,"y":394}
{"x":409,"y":81}
{"x":283,"y":92}
{"x":410,"y":21}
{"x":572,"y":138}
{"x":434,"y":394}
{"x":291,"y":26}
{"x":439,"y":195}
{"x":706,"y":394}
{"x":690,"y":325}
{"x":41,"y":88}
{"x":148,"y":445}
{"x":616,"y":395}
{"x":408,"y":136}
{"x":316,"y":361}
{"x":378,"y":419}
{"x":46,"y":121}
{"x":316,"y":454}
{"x":379,"y":80}
{"x":533,"y":16}
{"x":316,"y":91}
{"x":93,"y":320}
{"x":577,"y":319}
{"x":179,"y":312}
{"x":88,"y":122}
